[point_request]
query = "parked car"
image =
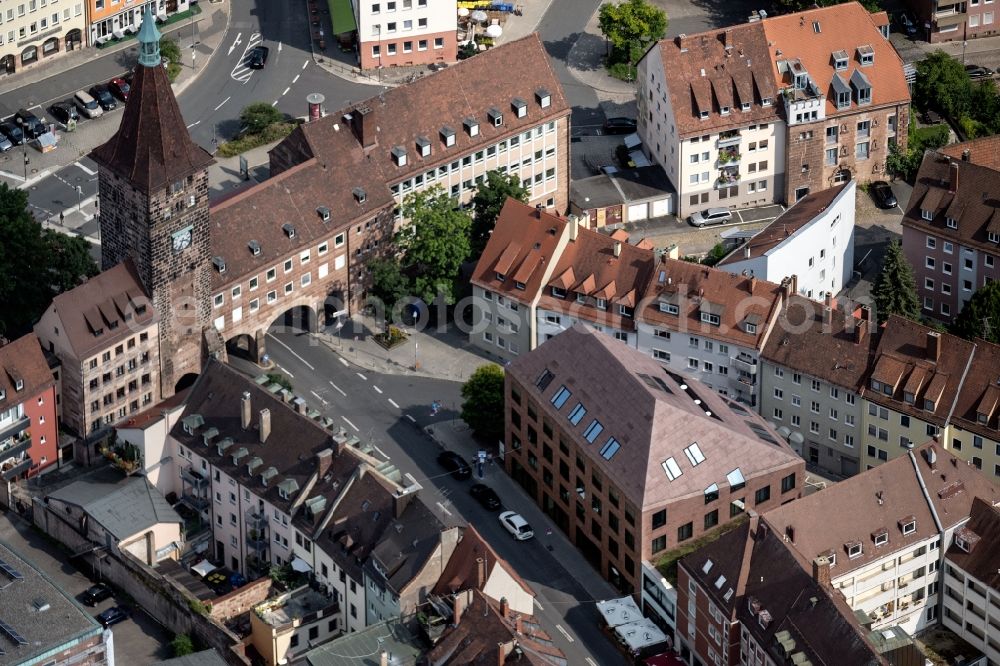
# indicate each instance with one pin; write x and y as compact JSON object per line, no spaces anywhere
{"x":710,"y":216}
{"x":907,"y":24}
{"x":113,"y":615}
{"x":516,"y":525}
{"x":619,"y":126}
{"x":455,"y":464}
{"x":87,"y":105}
{"x":10,"y":130}
{"x":882,"y":194}
{"x":103,"y":96}
{"x":63,"y":112}
{"x":978,"y":72}
{"x":5,"y":144}
{"x":31,"y":124}
{"x":485,"y":496}
{"x":95,"y":594}
{"x":120,"y":88}
{"x":258,"y":57}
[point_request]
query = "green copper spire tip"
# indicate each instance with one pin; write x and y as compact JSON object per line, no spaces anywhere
{"x":149,"y":41}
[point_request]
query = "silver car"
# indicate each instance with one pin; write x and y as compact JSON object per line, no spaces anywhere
{"x":710,"y":216}
{"x":5,"y":144}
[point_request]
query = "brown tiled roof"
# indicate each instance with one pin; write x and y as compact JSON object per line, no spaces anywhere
{"x":152,"y":147}
{"x":984,"y":151}
{"x":23,"y":360}
{"x":462,"y":571}
{"x":799,"y":215}
{"x":402,"y":115}
{"x":702,"y":74}
{"x":800,"y":341}
{"x":523,"y":236}
{"x":739,"y":299}
{"x":983,"y":562}
{"x":882,"y":497}
{"x":589,"y":266}
{"x":880,"y":19}
{"x":108,"y":307}
{"x":725,"y":579}
{"x":903,"y":350}
{"x":843,"y":27}
{"x":974,"y":205}
{"x":644,"y":408}
{"x":980,"y":393}
{"x":156,"y":413}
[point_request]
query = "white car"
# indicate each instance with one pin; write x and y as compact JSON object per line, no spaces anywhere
{"x":710,"y":216}
{"x":516,"y":525}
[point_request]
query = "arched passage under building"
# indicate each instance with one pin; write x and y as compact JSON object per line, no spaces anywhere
{"x":296,"y":320}
{"x":186,"y":381}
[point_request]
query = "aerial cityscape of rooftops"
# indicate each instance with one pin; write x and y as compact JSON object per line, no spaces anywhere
{"x":475,"y":332}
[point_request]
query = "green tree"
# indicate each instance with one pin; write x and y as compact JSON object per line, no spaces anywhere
{"x":631,"y":27}
{"x":36,"y":264}
{"x":985,"y":103}
{"x":942,"y":84}
{"x":482,"y":402}
{"x":980,"y":318}
{"x":487,"y":202}
{"x":182,"y":645}
{"x":895,"y":291}
{"x":257,"y":117}
{"x":389,"y":283}
{"x":170,"y":50}
{"x":434,"y":242}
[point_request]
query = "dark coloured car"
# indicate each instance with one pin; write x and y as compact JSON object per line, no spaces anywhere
{"x":120,"y":88}
{"x":978,"y":72}
{"x":104,"y":97}
{"x":907,"y":24}
{"x":113,"y":615}
{"x":64,"y":112}
{"x":455,"y":464}
{"x":96,"y":594}
{"x":31,"y":124}
{"x":10,"y":130}
{"x":882,"y":194}
{"x":258,"y":57}
{"x":485,"y":496}
{"x":619,"y":126}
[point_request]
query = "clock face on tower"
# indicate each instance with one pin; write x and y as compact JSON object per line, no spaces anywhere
{"x":181,"y":240}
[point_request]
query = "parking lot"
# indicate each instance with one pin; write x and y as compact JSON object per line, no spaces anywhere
{"x":138,"y":640}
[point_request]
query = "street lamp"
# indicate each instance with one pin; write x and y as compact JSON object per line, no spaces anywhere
{"x":416,"y":363}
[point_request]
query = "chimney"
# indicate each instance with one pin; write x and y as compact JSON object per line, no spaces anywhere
{"x":501,"y":654}
{"x":821,"y":570}
{"x":400,"y":500}
{"x":265,"y":425}
{"x":519,"y":624}
{"x":364,"y":126}
{"x":966,"y":155}
{"x":866,"y":312}
{"x":245,"y":413}
{"x":618,"y":249}
{"x":457,"y":607}
{"x":751,"y":284}
{"x":574,"y":227}
{"x":727,"y":38}
{"x":827,"y":317}
{"x":681,"y":41}
{"x":746,"y":251}
{"x":504,"y":607}
{"x":953,"y":179}
{"x":860,"y":331}
{"x":830,"y":301}
{"x":480,"y":573}
{"x":323,"y":461}
{"x":538,"y":210}
{"x":339,"y":441}
{"x":933,"y":346}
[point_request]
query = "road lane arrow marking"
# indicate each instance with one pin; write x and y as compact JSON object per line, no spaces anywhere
{"x":235,"y":44}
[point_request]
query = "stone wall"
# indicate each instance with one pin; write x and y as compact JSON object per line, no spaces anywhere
{"x":242,"y":600}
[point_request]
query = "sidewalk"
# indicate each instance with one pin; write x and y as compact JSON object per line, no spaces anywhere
{"x":586,"y":63}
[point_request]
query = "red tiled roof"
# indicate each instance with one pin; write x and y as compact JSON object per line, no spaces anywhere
{"x":983,"y":562}
{"x":23,"y":360}
{"x":984,"y":151}
{"x":980,"y":393}
{"x":462,"y":571}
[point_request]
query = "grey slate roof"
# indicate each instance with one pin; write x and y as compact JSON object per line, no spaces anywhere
{"x":124,"y":508}
{"x":203,"y":658}
{"x":362,"y":648}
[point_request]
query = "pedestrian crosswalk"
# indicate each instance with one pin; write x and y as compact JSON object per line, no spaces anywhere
{"x":242,"y":72}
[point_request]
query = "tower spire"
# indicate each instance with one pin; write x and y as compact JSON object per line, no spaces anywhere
{"x":149,"y":41}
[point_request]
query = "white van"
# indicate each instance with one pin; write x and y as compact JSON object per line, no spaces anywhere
{"x":88,"y":105}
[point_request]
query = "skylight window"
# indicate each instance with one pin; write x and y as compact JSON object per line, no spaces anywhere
{"x":719,"y":582}
{"x":610,"y":448}
{"x":577,"y":414}
{"x":735,"y":479}
{"x":544,"y":379}
{"x":694,"y":454}
{"x":729,"y":594}
{"x":593,"y":430}
{"x":561,"y":396}
{"x":707,"y":566}
{"x":671,"y":468}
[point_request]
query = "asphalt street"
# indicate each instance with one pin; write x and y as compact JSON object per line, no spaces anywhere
{"x":390,"y":412}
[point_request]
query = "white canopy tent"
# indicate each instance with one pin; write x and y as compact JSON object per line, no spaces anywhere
{"x":619,"y":611}
{"x":641,"y":634}
{"x":203,"y":568}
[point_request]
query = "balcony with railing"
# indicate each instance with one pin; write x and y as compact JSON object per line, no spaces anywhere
{"x":195,"y":489}
{"x":729,"y":138}
{"x":947,"y":9}
{"x":193,"y":478}
{"x":256,"y":520}
{"x":728,"y":176}
{"x":745,"y":384}
{"x":258,"y":540}
{"x":729,"y":156}
{"x":15,"y":447}
{"x":15,"y":469}
{"x":14,"y":429}
{"x":745,"y":363}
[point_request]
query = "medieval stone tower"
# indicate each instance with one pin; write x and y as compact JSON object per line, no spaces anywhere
{"x":153,"y":185}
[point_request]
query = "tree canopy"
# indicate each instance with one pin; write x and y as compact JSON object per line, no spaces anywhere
{"x":434,"y":242}
{"x":895,"y":291}
{"x":257,"y":117}
{"x":980,"y":318}
{"x":942,"y":84}
{"x":36,"y":264}
{"x":389,"y":283}
{"x":487,"y":203}
{"x":631,"y":27}
{"x":483,"y":402}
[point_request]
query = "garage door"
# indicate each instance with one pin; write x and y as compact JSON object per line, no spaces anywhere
{"x":660,"y":208}
{"x":638,"y":212}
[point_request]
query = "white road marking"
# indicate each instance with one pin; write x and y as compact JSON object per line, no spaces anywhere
{"x":381,"y":452}
{"x":221,"y":103}
{"x":197,"y":122}
{"x":564,"y":633}
{"x":342,"y":361}
{"x":274,"y":103}
{"x":285,"y":371}
{"x":350,"y":424}
{"x":305,"y":64}
{"x":286,"y":91}
{"x":304,"y":362}
{"x":279,"y":47}
{"x":446,"y":511}
{"x":89,"y":172}
{"x":236,"y":43}
{"x":241,"y":72}
{"x":412,"y":420}
{"x":590,"y":661}
{"x":363,"y":378}
{"x":542,"y":609}
{"x":296,"y":78}
{"x":393,"y":403}
{"x":339,"y":390}
{"x":377,"y":389}
{"x":319,"y":397}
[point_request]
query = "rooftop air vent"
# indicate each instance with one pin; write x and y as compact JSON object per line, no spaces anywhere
{"x":289,"y":229}
{"x":254,"y":247}
{"x":324,"y":213}
{"x":219,"y":263}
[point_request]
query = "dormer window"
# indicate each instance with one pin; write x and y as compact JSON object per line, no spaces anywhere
{"x":929,"y":405}
{"x":519,"y":106}
{"x":581,"y":298}
{"x":866,"y":55}
{"x":841,"y":91}
{"x":289,"y":229}
{"x":669,"y":308}
{"x":951,"y":222}
{"x":801,"y":81}
{"x":752,"y":328}
{"x":519,"y":285}
{"x":703,"y":115}
{"x":963,"y":543}
{"x":220,"y":264}
{"x":500,"y":277}
{"x":709,"y":318}
{"x":18,"y":385}
{"x":982,"y":418}
{"x":543,"y":97}
{"x":399,"y":156}
{"x":495,"y":116}
{"x":881,"y":537}
{"x":423,"y":146}
{"x":854,"y":550}
{"x":745,"y":106}
{"x":840,"y":60}
{"x":448,"y":136}
{"x":766,"y":101}
{"x":324,"y":213}
{"x":558,"y":293}
{"x":602,"y":304}
{"x":993,"y":237}
{"x":3,"y":394}
{"x":926,"y":214}
{"x":908,"y":526}
{"x":254,"y":248}
{"x":862,"y":87}
{"x":359,"y":195}
{"x":471,"y":126}
{"x":908,"y":397}
{"x":724,"y":110}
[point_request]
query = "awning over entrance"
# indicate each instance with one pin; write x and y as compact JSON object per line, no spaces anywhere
{"x":342,"y":16}
{"x":300,"y":565}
